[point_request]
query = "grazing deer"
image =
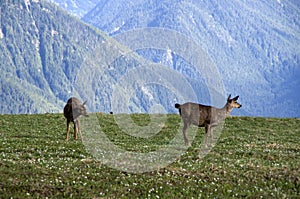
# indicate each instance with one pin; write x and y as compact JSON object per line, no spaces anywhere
{"x":205,"y":116}
{"x":72,"y":112}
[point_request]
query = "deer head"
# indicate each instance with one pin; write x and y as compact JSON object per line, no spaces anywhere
{"x":233,"y":102}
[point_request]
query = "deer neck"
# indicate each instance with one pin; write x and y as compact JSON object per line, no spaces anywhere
{"x":227,"y":109}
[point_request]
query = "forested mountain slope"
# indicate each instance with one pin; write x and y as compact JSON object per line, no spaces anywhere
{"x":44,"y":53}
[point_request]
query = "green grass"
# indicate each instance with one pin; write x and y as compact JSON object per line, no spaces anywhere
{"x":254,"y":157}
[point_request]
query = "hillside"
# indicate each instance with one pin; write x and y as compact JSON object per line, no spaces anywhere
{"x":254,"y":45}
{"x":37,"y":162}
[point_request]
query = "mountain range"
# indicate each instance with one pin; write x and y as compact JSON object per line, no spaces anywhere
{"x":254,"y":45}
{"x":49,"y":55}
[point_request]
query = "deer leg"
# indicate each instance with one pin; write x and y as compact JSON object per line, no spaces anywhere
{"x":211,"y":136}
{"x":207,"y":133}
{"x":186,"y":140}
{"x":68,"y":130}
{"x":78,"y":126}
{"x":75,"y":130}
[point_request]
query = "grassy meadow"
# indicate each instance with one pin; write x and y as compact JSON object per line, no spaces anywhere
{"x":253,"y":158}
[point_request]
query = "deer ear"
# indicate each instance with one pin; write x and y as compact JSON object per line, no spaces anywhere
{"x":84,"y":102}
{"x":235,"y":98}
{"x":229,"y":97}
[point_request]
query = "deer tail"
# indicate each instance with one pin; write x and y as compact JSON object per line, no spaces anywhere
{"x":177,"y":106}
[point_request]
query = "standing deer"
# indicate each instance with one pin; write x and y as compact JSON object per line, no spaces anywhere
{"x":72,"y":112}
{"x":205,"y":116}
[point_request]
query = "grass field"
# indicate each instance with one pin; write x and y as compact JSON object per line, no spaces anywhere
{"x":254,"y":158}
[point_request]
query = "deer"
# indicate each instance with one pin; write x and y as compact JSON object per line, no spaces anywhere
{"x":72,"y":112}
{"x":205,"y":116}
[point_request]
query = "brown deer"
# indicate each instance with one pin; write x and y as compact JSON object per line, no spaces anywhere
{"x":205,"y":116}
{"x":72,"y":112}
